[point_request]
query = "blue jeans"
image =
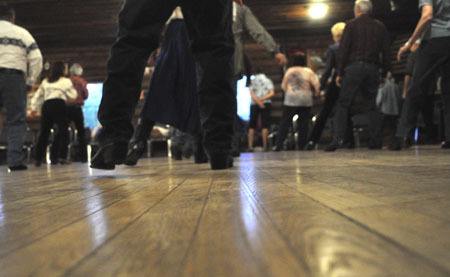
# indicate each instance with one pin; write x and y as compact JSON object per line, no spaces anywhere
{"x":13,"y":97}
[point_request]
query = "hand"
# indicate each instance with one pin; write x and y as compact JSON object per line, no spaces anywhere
{"x":339,"y":81}
{"x":239,"y":2}
{"x":281,"y":59}
{"x":261,"y":105}
{"x":403,"y":50}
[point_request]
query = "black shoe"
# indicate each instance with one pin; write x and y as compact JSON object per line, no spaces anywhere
{"x":311,"y":145}
{"x":236,"y":153}
{"x":135,"y":152}
{"x":221,"y":161}
{"x":20,"y":167}
{"x":37,"y":163}
{"x":177,"y":154}
{"x":334,"y":145}
{"x":445,"y":145}
{"x":396,"y":144}
{"x":250,"y":150}
{"x":109,"y":155}
{"x":64,"y":162}
{"x":375,"y":146}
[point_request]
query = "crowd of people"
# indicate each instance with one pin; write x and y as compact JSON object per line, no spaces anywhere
{"x":203,"y":50}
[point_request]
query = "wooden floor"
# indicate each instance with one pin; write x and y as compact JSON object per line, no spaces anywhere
{"x":350,"y":213}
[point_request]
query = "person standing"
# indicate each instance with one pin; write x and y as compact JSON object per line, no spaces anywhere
{"x":328,"y":83}
{"x":261,"y":91}
{"x":209,"y":24}
{"x":75,"y":109}
{"x":245,"y":22}
{"x":433,"y":57}
{"x":388,"y":101}
{"x":364,"y":41}
{"x":54,"y":92}
{"x":20,"y":64}
{"x":300,"y":84}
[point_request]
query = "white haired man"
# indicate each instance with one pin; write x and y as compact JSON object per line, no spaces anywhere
{"x":364,"y":41}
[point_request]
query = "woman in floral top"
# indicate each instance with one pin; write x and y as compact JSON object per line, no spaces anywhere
{"x":300,"y":84}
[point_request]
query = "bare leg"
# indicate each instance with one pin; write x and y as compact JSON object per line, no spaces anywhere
{"x":251,"y":137}
{"x":265,"y":138}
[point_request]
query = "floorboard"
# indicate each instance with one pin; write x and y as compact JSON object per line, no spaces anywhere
{"x":349,"y":213}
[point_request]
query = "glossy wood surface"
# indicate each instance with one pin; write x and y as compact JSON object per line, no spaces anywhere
{"x":350,"y":213}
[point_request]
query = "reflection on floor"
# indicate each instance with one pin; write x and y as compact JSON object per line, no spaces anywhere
{"x":350,"y":213}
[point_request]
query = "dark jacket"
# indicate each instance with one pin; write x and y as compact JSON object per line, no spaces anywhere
{"x":330,"y":66}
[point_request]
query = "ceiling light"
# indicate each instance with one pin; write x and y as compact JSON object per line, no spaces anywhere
{"x":318,"y":11}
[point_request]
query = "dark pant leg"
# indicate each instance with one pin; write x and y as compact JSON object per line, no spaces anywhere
{"x":331,"y":98}
{"x":75,"y":115}
{"x":433,"y":55}
{"x":445,"y":86}
{"x":285,"y":123}
{"x":61,"y":140}
{"x":303,"y":126}
{"x":210,"y":27}
{"x":140,"y":25}
{"x":46,"y":125}
{"x":353,"y":79}
{"x":370,"y":89}
{"x":14,"y":98}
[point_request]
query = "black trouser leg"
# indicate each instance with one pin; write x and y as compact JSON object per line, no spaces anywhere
{"x":75,"y":115}
{"x":143,"y":129}
{"x":433,"y":56}
{"x":445,"y":86}
{"x":59,"y":147}
{"x":303,"y":126}
{"x":210,"y":27}
{"x":331,"y":98}
{"x":44,"y":133}
{"x":285,"y":123}
{"x":140,"y":25}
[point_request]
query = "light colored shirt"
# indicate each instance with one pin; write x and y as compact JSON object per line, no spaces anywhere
{"x":18,"y":50}
{"x":261,"y":86}
{"x":62,"y":89}
{"x":388,"y":98}
{"x":299,"y":85}
{"x":440,"y":24}
{"x":245,"y":21}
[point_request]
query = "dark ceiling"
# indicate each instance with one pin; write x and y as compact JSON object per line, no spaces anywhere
{"x":83,"y":30}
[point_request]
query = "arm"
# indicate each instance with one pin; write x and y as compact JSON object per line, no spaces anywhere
{"x":261,"y":36}
{"x":255,"y":98}
{"x":344,"y":49}
{"x":425,"y":20}
{"x":34,"y":59}
{"x":71,"y":92}
{"x":268,"y":96}
{"x":406,"y":85}
{"x":315,"y":84}
{"x":380,"y":97}
{"x":36,"y":100}
{"x":328,"y":68}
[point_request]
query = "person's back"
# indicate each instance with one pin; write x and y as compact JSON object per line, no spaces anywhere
{"x":20,"y":60}
{"x":299,"y":84}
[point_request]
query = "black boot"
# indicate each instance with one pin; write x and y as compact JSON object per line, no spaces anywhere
{"x":199,"y":152}
{"x":221,"y":161}
{"x":109,"y":155}
{"x":311,"y":145}
{"x":335,"y":145}
{"x":137,"y":145}
{"x":445,"y":145}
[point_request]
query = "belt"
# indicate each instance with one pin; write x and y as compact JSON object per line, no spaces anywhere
{"x":10,"y":71}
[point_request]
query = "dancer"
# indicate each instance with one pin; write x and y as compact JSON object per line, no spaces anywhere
{"x":75,"y":109}
{"x":328,"y":83}
{"x":300,"y":85}
{"x":54,"y":92}
{"x":433,"y":57}
{"x":20,"y":64}
{"x":140,"y":22}
{"x":261,"y":91}
{"x":365,"y":49}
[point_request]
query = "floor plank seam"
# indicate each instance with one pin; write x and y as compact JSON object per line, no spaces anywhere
{"x":278,"y":230}
{"x":372,"y":231}
{"x":4,"y":255}
{"x":197,"y":226}
{"x":79,"y":263}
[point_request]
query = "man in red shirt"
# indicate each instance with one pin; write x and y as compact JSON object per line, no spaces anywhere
{"x":75,"y":111}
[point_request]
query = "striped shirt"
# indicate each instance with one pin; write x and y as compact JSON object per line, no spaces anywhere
{"x":18,"y":50}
